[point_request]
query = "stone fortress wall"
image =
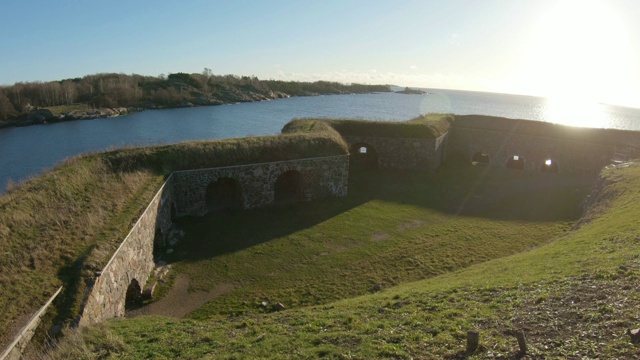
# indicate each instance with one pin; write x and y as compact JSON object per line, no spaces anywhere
{"x":256,"y":185}
{"x":132,"y":262}
{"x":400,"y":153}
{"x":195,"y":192}
{"x":534,"y":143}
{"x":185,"y":193}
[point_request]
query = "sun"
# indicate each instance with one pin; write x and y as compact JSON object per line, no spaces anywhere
{"x":578,"y":55}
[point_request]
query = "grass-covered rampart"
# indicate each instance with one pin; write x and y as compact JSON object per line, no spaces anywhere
{"x":429,"y":126}
{"x":67,"y":222}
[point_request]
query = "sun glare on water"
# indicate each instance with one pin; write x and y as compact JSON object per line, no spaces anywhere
{"x":578,"y":57}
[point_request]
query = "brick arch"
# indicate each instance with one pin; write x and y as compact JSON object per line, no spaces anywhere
{"x":224,"y":193}
{"x":363,"y":156}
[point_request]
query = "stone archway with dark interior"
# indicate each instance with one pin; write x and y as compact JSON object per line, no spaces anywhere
{"x":363,"y":156}
{"x":550,"y":166}
{"x":223,"y":194}
{"x":133,"y":298}
{"x":288,"y":188}
{"x":515,"y":162}
{"x":480,"y":158}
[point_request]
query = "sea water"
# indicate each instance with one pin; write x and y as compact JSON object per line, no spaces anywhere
{"x":26,"y":151}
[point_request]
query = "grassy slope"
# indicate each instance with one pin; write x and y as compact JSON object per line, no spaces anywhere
{"x":574,"y":297}
{"x":50,"y":226}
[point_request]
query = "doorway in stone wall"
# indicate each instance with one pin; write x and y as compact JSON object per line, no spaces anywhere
{"x":550,"y":166}
{"x":515,"y":162}
{"x":223,"y":194}
{"x":133,"y":298}
{"x":363,"y":156}
{"x":288,"y":188}
{"x":480,"y":158}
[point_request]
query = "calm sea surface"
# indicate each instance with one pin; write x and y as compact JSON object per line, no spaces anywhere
{"x":26,"y":151}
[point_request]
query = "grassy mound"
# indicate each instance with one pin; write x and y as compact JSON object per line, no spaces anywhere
{"x":573,"y":293}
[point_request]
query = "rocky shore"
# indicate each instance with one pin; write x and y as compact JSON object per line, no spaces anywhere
{"x":37,"y":116}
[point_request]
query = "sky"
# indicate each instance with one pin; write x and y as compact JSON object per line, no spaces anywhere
{"x":576,"y":50}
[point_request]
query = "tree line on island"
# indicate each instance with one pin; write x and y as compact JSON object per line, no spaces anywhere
{"x":110,"y":94}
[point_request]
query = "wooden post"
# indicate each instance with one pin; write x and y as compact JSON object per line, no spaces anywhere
{"x":473,"y":338}
{"x":522,"y":341}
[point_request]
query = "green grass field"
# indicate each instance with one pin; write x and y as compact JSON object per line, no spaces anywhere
{"x":468,"y":248}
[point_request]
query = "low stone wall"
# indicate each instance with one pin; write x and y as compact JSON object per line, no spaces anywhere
{"x":403,"y":153}
{"x":17,"y":347}
{"x":321,"y":177}
{"x":132,"y":260}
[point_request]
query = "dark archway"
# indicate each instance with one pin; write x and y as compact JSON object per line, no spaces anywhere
{"x":363,"y":156}
{"x":288,"y":188}
{"x":223,"y":194}
{"x":550,"y":166}
{"x":515,"y":162}
{"x":133,"y":299}
{"x":480,"y":158}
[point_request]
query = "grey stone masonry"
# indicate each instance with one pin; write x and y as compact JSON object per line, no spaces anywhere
{"x":132,"y":260}
{"x":404,"y":153}
{"x":321,"y":177}
{"x":16,"y":348}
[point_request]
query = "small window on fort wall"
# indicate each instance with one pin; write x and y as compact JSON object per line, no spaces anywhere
{"x":515,"y":162}
{"x":480,"y":158}
{"x":362,"y":150}
{"x":549,"y":166}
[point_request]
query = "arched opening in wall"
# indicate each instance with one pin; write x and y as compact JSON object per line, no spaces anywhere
{"x":288,"y":188}
{"x":133,"y":299}
{"x":480,"y":158}
{"x":363,"y":156}
{"x":223,"y":194}
{"x":515,"y":162}
{"x":550,"y":166}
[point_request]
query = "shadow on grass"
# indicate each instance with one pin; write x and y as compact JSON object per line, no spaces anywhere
{"x":488,"y":192}
{"x":228,"y":231}
{"x":458,"y":190}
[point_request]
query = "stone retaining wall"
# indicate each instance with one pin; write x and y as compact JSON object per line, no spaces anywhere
{"x":17,"y":347}
{"x":132,"y":260}
{"x":321,"y":177}
{"x":184,"y":192}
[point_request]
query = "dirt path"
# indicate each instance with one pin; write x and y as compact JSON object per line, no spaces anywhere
{"x":179,"y":301}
